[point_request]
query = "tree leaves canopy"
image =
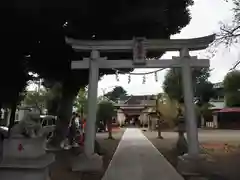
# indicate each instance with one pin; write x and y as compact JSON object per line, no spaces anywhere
{"x":231,"y":81}
{"x":203,"y":89}
{"x":105,"y":111}
{"x":81,"y":101}
{"x":230,"y":32}
{"x":38,"y":29}
{"x":117,"y":93}
{"x":232,"y":88}
{"x":34,"y":98}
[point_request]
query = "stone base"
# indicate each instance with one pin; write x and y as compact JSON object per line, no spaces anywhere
{"x":30,"y":147}
{"x":190,"y":165}
{"x":26,"y":169}
{"x":52,"y":148}
{"x":37,"y":163}
{"x":24,"y":174}
{"x":84,"y":163}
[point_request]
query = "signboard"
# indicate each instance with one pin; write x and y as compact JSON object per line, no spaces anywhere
{"x":139,"y":52}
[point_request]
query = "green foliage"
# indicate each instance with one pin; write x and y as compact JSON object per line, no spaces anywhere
{"x":117,"y":93}
{"x":54,"y":94}
{"x":203,"y":89}
{"x":81,"y":101}
{"x":35,"y":98}
{"x":232,"y":99}
{"x":172,"y":84}
{"x":232,"y":88}
{"x":205,"y":111}
{"x":43,"y":25}
{"x":13,"y":78}
{"x":231,"y":81}
{"x":105,"y":111}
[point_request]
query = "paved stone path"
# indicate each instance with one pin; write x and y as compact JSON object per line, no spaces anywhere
{"x":137,"y":159}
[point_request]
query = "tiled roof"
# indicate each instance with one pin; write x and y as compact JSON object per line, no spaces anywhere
{"x":137,"y":99}
{"x":218,"y":85}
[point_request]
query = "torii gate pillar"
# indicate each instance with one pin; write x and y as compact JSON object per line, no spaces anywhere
{"x":92,"y":103}
{"x":190,"y":116}
{"x":89,"y":160}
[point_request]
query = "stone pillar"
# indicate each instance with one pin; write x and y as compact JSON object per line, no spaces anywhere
{"x":202,"y":122}
{"x":92,"y":104}
{"x":25,"y":159}
{"x":215,"y":121}
{"x":149,"y":123}
{"x":189,"y":163}
{"x":89,"y":161}
{"x":190,"y":114}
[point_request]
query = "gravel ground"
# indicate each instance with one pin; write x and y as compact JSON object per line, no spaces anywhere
{"x":224,"y":165}
{"x":61,"y":169}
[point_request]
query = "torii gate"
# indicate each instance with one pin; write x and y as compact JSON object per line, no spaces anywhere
{"x":139,"y":47}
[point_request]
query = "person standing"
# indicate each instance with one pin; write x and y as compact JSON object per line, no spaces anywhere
{"x":73,"y":131}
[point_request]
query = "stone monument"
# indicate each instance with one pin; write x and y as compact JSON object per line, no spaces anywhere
{"x":24,"y":156}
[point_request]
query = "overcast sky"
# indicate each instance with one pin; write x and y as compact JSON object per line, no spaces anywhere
{"x":206,"y":16}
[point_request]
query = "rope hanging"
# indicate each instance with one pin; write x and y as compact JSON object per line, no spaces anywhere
{"x":117,"y":72}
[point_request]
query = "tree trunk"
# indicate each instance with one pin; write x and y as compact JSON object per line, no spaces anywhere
{"x":182,"y":146}
{"x":0,"y":111}
{"x":5,"y":117}
{"x":149,"y":124}
{"x":202,"y":122}
{"x":12,"y":116}
{"x":159,"y":129}
{"x":53,"y":106}
{"x":64,"y":116}
{"x":109,"y":126}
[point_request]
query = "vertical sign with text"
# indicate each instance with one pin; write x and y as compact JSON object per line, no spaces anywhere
{"x":139,"y":52}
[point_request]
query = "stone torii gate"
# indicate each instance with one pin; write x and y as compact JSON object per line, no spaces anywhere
{"x":139,"y":47}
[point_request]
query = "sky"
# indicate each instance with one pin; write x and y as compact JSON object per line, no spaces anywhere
{"x":206,"y":18}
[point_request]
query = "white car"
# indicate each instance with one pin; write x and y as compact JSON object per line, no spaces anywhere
{"x":3,"y":132}
{"x":48,"y":122}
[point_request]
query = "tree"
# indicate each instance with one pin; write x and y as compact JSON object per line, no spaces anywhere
{"x":171,"y":111}
{"x":117,"y":93}
{"x":81,"y":102}
{"x":172,"y":84}
{"x":43,"y":26}
{"x":105,"y":113}
{"x":167,"y":108}
{"x":203,"y":89}
{"x":230,"y":32}
{"x":159,"y":97}
{"x":35,"y":98}
{"x":232,"y":88}
{"x":54,"y":94}
{"x":13,"y":81}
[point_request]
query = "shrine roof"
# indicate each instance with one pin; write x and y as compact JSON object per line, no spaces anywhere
{"x":136,"y":99}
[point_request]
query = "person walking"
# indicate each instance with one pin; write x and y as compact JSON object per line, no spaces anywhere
{"x":69,"y":141}
{"x":73,"y":131}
